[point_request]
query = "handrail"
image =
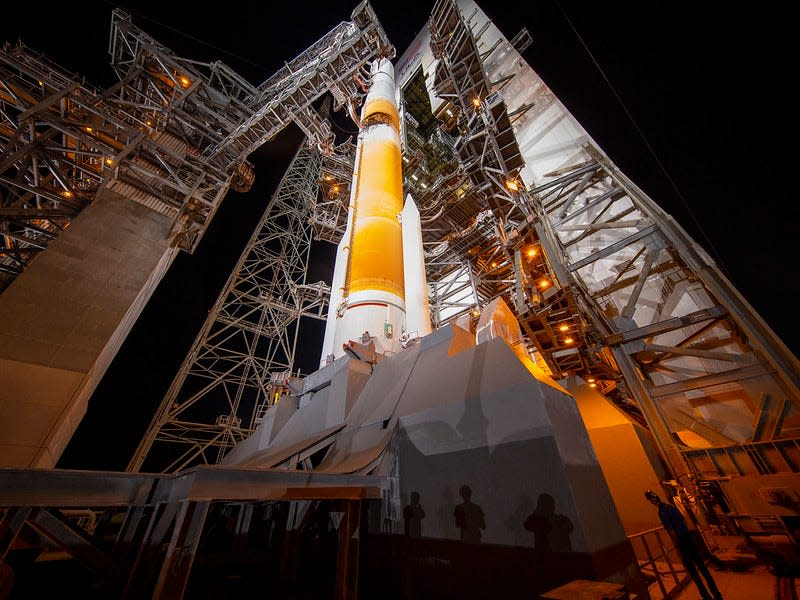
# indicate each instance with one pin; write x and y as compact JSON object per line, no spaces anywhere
{"x":670,"y":581}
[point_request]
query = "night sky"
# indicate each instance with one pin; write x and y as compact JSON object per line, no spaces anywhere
{"x":705,"y":86}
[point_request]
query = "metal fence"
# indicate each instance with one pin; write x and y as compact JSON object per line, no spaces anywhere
{"x":659,"y":563}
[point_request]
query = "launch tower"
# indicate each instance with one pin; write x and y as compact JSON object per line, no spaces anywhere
{"x":503,"y":297}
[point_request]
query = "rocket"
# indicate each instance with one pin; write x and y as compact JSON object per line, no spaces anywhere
{"x":379,"y":286}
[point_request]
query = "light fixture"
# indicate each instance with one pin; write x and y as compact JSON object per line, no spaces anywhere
{"x":476,"y":102}
{"x":185,"y":81}
{"x":512,"y":185}
{"x":531,"y":252}
{"x":590,"y":380}
{"x":568,"y":340}
{"x":494,"y":264}
{"x":544,"y":284}
{"x":592,"y":385}
{"x":109,"y":161}
{"x":563,"y":327}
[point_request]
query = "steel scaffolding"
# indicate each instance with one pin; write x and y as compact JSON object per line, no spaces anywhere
{"x":173,"y":134}
{"x":246,"y":347}
{"x":606,"y":285}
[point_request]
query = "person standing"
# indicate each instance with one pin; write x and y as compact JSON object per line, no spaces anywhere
{"x":469,"y":517}
{"x":673,"y":521}
{"x":412,"y":517}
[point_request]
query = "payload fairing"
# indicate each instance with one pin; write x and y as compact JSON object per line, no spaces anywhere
{"x":379,"y":287}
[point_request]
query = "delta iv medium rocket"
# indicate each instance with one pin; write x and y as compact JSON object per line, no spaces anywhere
{"x":379,"y":283}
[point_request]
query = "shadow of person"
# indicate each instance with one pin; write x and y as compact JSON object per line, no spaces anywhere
{"x":469,"y":517}
{"x":412,"y":517}
{"x":551,"y":531}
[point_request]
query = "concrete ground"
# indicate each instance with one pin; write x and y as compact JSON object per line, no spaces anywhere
{"x":739,"y":575}
{"x":757,"y":583}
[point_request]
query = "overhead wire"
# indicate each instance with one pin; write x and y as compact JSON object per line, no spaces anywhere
{"x":650,"y":148}
{"x":188,"y":35}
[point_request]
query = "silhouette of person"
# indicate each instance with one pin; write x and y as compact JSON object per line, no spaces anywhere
{"x":673,"y":521}
{"x":412,"y":517}
{"x":551,"y":531}
{"x":469,"y":517}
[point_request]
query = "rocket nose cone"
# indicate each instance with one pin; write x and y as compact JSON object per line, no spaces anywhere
{"x":410,"y":204}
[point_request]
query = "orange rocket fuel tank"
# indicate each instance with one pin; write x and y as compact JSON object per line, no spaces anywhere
{"x":369,"y":295}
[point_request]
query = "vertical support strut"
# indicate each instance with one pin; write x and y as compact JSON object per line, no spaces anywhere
{"x":250,"y":333}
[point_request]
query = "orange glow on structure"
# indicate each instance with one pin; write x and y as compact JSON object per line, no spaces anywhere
{"x":563,"y":327}
{"x":494,"y":264}
{"x":476,"y":102}
{"x":531,"y":252}
{"x":185,"y":81}
{"x":544,"y":284}
{"x":109,"y":162}
{"x":590,"y":380}
{"x":512,"y":185}
{"x":568,"y":340}
{"x":592,"y":385}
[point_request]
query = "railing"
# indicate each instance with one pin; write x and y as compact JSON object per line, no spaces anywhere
{"x":659,"y":563}
{"x":766,"y":457}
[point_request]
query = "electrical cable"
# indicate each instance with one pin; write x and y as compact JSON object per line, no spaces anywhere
{"x":187,"y":35}
{"x":645,"y":140}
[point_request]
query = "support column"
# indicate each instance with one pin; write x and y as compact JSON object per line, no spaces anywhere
{"x":182,"y":547}
{"x":347,"y":554}
{"x":10,"y":526}
{"x":64,"y":318}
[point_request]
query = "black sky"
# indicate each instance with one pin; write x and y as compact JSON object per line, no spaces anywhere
{"x":704,"y":84}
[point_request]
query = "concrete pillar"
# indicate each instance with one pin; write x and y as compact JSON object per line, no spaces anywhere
{"x":63,"y":320}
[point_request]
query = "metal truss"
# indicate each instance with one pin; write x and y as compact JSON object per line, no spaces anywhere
{"x":680,"y":335}
{"x":173,"y":134}
{"x":52,"y":160}
{"x":246,"y":348}
{"x":332,"y":64}
{"x":486,"y":147}
{"x":62,"y":140}
{"x":138,"y":535}
{"x":472,"y":200}
{"x":454,"y":294}
{"x":329,"y":210}
{"x":604,"y":283}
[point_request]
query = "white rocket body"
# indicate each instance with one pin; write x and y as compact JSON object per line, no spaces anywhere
{"x":418,"y":314}
{"x":379,"y":274}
